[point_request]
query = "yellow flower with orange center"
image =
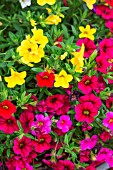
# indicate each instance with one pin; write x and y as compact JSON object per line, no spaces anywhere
{"x":15,"y":78}
{"x":62,"y":79}
{"x":87,"y":32}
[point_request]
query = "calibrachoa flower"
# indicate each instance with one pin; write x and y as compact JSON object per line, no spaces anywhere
{"x":104,"y":154}
{"x":105,"y":136}
{"x":89,"y":143}
{"x":53,"y":19}
{"x":110,"y":2}
{"x":15,"y":78}
{"x":25,"y":3}
{"x":84,"y":156}
{"x":39,"y":38}
{"x":90,"y":3}
{"x":43,"y":2}
{"x":23,"y":146}
{"x":8,"y":125}
{"x":85,"y":112}
{"x":63,"y":79}
{"x":78,"y":58}
{"x":45,"y":79}
{"x":25,"y":167}
{"x":87,"y":84}
{"x":91,"y":98}
{"x":26,"y":119}
{"x":64,"y":164}
{"x":89,"y":46}
{"x":87,"y":32}
{"x":43,"y":143}
{"x":64,"y":123}
{"x":7,"y":108}
{"x":109,"y":24}
{"x":109,"y":102}
{"x":108,"y":121}
{"x":42,"y":124}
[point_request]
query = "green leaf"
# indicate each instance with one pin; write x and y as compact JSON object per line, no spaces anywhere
{"x":66,"y":139}
{"x":60,"y":151}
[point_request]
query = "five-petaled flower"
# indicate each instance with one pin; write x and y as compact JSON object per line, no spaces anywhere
{"x":43,"y":2}
{"x":87,"y":32}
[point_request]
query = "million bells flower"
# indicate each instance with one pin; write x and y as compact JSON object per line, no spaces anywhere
{"x":62,"y":79}
{"x":87,"y":32}
{"x":43,"y":2}
{"x":53,"y":19}
{"x":15,"y":78}
{"x":90,"y":3}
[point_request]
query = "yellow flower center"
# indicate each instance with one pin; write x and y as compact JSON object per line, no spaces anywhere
{"x":111,"y":120}
{"x":63,"y":121}
{"x":87,"y":82}
{"x":45,"y":77}
{"x":86,"y":112}
{"x":5,"y":107}
{"x":40,"y":123}
{"x":21,"y":145}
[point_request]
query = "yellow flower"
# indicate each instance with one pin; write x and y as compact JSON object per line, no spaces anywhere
{"x":15,"y":78}
{"x":39,"y":38}
{"x":62,"y":79}
{"x":87,"y":32}
{"x":0,"y":78}
{"x":90,"y":3}
{"x":43,"y":2}
{"x":77,"y":60}
{"x":33,"y":22}
{"x":48,"y":10}
{"x":63,"y":56}
{"x":30,"y":52}
{"x":53,"y":19}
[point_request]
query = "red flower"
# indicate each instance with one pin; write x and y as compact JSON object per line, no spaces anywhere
{"x":26,"y":119}
{"x":109,"y":102}
{"x":85,"y":112}
{"x":65,"y":2}
{"x":64,"y":164}
{"x":84,"y":156}
{"x":109,"y":25}
{"x":58,"y":41}
{"x":110,"y":2}
{"x":105,"y":136}
{"x":8,"y":125}
{"x":45,"y":79}
{"x":43,"y":143}
{"x":22,"y":146}
{"x":87,"y":84}
{"x":7,"y":109}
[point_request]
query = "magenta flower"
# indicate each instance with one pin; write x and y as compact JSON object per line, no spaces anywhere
{"x":101,"y":85}
{"x":85,"y":112}
{"x":102,"y":64}
{"x":64,"y":123}
{"x":43,"y":143}
{"x":89,"y":46}
{"x":8,"y":125}
{"x":64,"y":164}
{"x":105,"y":136}
{"x":104,"y":154}
{"x":84,"y":156}
{"x":109,"y":24}
{"x":109,"y":160}
{"x":25,"y":167}
{"x":87,"y":84}
{"x":32,"y":155}
{"x":22,"y":146}
{"x":110,"y":81}
{"x":88,"y":143}
{"x":108,"y":121}
{"x":41,"y":106}
{"x":91,"y":98}
{"x":42,"y":124}
{"x":26,"y":119}
{"x":86,"y":127}
{"x":109,"y":102}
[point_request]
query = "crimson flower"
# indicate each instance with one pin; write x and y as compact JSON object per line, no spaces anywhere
{"x":85,"y":112}
{"x":45,"y":79}
{"x":7,"y":109}
{"x":110,"y":2}
{"x":43,"y":143}
{"x":64,"y":164}
{"x":109,"y":102}
{"x":22,"y":146}
{"x":109,"y":24}
{"x":58,"y":41}
{"x":8,"y":125}
{"x":87,"y":84}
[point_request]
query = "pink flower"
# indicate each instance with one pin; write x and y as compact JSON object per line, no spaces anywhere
{"x":88,"y":143}
{"x":91,"y":98}
{"x":86,"y":127}
{"x":109,"y":24}
{"x":110,"y":81}
{"x":64,"y":164}
{"x":106,"y":48}
{"x":54,"y":102}
{"x":22,"y":146}
{"x":87,"y":84}
{"x":64,"y":123}
{"x":84,"y":156}
{"x":101,"y":85}
{"x":104,"y":154}
{"x":42,"y":124}
{"x":108,"y":121}
{"x":26,"y":119}
{"x":41,"y":106}
{"x":104,"y":11}
{"x":105,"y":136}
{"x":109,"y":160}
{"x":26,"y":167}
{"x":109,"y":102}
{"x":43,"y":143}
{"x":102,"y":64}
{"x":30,"y":157}
{"x":89,"y":46}
{"x":8,"y":125}
{"x":85,"y":112}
